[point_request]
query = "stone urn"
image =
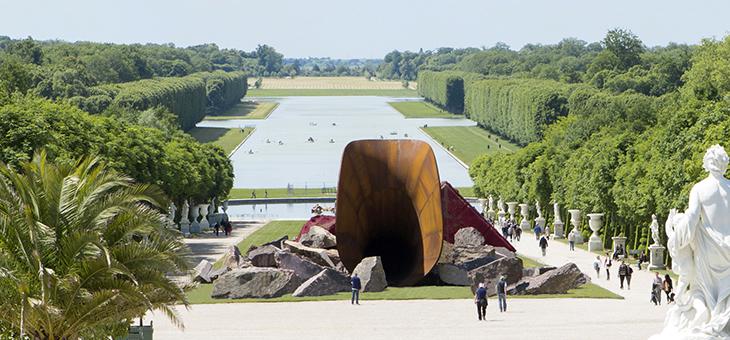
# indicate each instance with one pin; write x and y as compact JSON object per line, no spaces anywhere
{"x":595,"y":222}
{"x":511,"y":209}
{"x":524,"y":211}
{"x":575,"y":221}
{"x":204,"y":225}
{"x":194,"y":224}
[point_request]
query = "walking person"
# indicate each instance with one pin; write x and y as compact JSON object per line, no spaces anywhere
{"x":668,"y":288}
{"x":543,"y":244}
{"x":571,"y":240}
{"x":597,"y":266}
{"x":656,"y":290}
{"x":217,"y":229}
{"x":547,"y":232}
{"x":518,"y":233}
{"x":502,"y":294}
{"x":480,"y":299}
{"x":629,"y":271}
{"x":623,"y":270}
{"x":607,"y":266}
{"x":537,"y":230}
{"x":356,"y":286}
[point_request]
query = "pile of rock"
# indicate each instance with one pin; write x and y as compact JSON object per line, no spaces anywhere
{"x":469,"y":262}
{"x":298,"y":269}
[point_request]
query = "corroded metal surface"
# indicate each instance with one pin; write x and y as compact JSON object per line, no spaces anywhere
{"x":389,"y":205}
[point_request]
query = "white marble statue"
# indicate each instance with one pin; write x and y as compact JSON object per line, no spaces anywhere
{"x":500,"y":205}
{"x":185,"y":212}
{"x":654,"y":227}
{"x":539,"y":210}
{"x":699,"y":243}
{"x":490,"y":203}
{"x":556,"y":209}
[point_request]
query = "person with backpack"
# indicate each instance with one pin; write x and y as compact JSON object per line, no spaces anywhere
{"x":480,"y":299}
{"x":597,"y":266}
{"x":543,"y":244}
{"x":668,"y":288}
{"x":623,"y":271}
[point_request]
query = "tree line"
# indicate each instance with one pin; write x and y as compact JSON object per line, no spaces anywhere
{"x":628,"y":155}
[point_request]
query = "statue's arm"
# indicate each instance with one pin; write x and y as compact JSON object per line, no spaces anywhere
{"x":684,"y":225}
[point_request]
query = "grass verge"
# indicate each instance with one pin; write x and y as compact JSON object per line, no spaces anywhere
{"x":228,"y":139}
{"x":405,"y":93}
{"x":421,"y":110}
{"x":469,"y":142}
{"x":246,"y":110}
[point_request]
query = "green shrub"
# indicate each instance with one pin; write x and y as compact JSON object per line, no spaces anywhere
{"x":445,"y":89}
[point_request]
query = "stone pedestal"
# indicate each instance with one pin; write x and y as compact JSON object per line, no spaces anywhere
{"x":185,"y":227}
{"x":525,"y":223}
{"x":656,"y":257}
{"x":619,"y":241}
{"x":575,"y":221}
{"x":595,"y":223}
{"x":558,"y":231}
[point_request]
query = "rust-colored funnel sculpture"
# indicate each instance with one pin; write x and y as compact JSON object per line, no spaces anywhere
{"x":389,"y":205}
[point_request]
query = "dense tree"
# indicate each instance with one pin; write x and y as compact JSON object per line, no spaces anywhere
{"x":83,"y":250}
{"x":625,"y":45}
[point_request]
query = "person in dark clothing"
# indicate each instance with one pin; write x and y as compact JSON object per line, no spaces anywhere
{"x":623,"y":272}
{"x":217,"y":229}
{"x":502,"y":293}
{"x":668,"y":288}
{"x":543,"y":244}
{"x":356,"y":286}
{"x":480,"y":299}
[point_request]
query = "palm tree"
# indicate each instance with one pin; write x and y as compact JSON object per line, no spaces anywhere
{"x":83,"y":250}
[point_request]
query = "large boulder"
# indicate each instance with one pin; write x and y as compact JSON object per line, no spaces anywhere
{"x":278,"y":243}
{"x":452,"y":274}
{"x":302,"y":267}
{"x":472,"y":257}
{"x":201,"y":272}
{"x":371,"y":273}
{"x":446,"y":250}
{"x":510,"y":267}
{"x":468,"y":237}
{"x":316,"y":255}
{"x":255,"y":282}
{"x":318,"y":237}
{"x":334,"y":256}
{"x":556,"y":281}
{"x":263,"y":256}
{"x":326,"y":282}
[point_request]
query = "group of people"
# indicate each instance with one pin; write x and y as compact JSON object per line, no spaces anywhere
{"x":624,"y":270}
{"x":511,"y":230}
{"x":226,"y":226}
{"x":480,"y":298}
{"x":658,"y":286}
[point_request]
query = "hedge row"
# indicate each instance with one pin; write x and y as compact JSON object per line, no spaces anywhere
{"x":445,"y":89}
{"x":190,"y":98}
{"x":518,"y":109}
{"x":223,"y":89}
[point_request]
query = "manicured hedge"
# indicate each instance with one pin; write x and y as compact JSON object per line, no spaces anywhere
{"x":190,"y":98}
{"x":518,"y":109}
{"x":445,"y":89}
{"x":223,"y":89}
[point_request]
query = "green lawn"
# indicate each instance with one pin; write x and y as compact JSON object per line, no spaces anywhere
{"x":421,"y":110}
{"x":246,"y":110}
{"x":469,"y":142}
{"x":201,"y":294}
{"x":331,"y":92}
{"x":239,"y":193}
{"x":228,"y":139}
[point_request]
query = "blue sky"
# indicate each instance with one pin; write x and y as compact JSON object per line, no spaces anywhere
{"x":350,"y":29}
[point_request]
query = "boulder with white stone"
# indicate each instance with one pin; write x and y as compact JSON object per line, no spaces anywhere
{"x":326,"y":282}
{"x":318,"y":237}
{"x":372,"y":275}
{"x":316,"y":255}
{"x":489,"y":274}
{"x":452,"y":274}
{"x":301,"y":267}
{"x":468,"y":237}
{"x":263,"y":256}
{"x":201,"y":272}
{"x":555,"y":281}
{"x":255,"y":282}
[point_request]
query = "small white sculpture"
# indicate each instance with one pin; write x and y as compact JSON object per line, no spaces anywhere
{"x":654,"y":227}
{"x":699,"y":243}
{"x":556,"y":209}
{"x":490,"y":203}
{"x":539,"y":210}
{"x":185,"y":211}
{"x":500,"y":205}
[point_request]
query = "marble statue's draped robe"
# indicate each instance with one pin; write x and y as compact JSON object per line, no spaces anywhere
{"x":700,"y":250}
